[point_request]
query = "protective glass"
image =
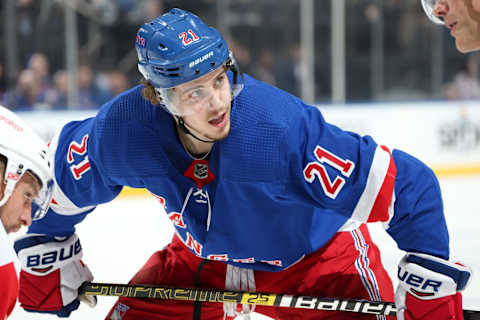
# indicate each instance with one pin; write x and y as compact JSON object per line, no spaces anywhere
{"x":196,"y":98}
{"x":41,"y":202}
{"x":429,"y":8}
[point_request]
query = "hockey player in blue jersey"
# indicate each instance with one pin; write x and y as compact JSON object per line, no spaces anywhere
{"x":263,"y":193}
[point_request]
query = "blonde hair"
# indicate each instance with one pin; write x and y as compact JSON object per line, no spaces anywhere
{"x":148,"y":92}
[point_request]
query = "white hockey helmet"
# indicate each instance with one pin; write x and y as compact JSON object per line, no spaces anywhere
{"x":25,"y":151}
{"x":429,"y":8}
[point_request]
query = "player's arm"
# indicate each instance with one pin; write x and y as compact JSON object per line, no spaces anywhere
{"x":354,"y":178}
{"x":429,"y":284}
{"x":81,"y":177}
{"x":51,"y":252}
{"x":8,"y":293}
{"x":341,"y":172}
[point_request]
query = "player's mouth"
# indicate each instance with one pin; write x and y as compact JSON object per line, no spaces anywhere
{"x":219,"y":121}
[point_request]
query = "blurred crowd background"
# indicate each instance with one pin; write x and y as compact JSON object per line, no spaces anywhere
{"x":78,"y":54}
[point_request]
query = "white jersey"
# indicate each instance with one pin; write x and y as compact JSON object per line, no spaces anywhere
{"x":8,"y":275}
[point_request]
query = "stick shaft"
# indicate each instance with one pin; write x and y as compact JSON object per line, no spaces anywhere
{"x":257,"y":298}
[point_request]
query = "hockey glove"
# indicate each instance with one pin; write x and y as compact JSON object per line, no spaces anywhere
{"x":51,"y":274}
{"x":429,"y":288}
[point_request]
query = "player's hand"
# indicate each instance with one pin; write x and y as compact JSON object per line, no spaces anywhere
{"x":52,"y":272}
{"x":429,"y":288}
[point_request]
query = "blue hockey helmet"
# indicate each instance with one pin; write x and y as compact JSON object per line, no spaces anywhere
{"x":178,"y":47}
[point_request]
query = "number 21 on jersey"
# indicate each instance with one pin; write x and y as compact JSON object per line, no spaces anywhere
{"x":317,"y":169}
{"x":79,"y":149}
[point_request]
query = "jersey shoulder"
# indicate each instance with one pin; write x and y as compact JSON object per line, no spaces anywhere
{"x":135,"y":131}
{"x":128,"y":106}
{"x":262,"y":119}
{"x":267,"y":105}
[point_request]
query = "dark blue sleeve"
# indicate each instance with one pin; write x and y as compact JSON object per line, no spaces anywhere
{"x":352,"y":176}
{"x":418,"y":223}
{"x":94,"y":158}
{"x":340,"y":171}
{"x":81,"y":180}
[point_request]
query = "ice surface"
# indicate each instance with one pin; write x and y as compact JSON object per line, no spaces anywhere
{"x":120,"y":236}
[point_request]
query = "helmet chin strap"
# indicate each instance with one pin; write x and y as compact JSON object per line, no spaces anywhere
{"x":183,"y":127}
{"x":181,"y":122}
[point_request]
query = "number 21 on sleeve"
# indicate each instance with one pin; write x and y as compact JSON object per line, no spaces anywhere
{"x":79,"y":169}
{"x":317,"y":169}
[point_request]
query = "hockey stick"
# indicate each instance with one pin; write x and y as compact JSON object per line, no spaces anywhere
{"x":258,"y":298}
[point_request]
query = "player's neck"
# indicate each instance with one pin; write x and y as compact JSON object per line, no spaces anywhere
{"x":197,"y":149}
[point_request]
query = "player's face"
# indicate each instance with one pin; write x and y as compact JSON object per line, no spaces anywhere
{"x":473,"y":9}
{"x":475,"y":4}
{"x":460,"y":17}
{"x":206,"y":104}
{"x":16,"y":212}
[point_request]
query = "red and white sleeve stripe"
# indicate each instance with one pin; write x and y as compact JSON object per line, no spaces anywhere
{"x":375,"y":203}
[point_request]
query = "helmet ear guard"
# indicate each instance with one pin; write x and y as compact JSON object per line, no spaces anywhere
{"x":237,"y":80}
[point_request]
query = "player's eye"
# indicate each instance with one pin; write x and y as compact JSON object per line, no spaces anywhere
{"x":195,"y":95}
{"x":28,"y":197}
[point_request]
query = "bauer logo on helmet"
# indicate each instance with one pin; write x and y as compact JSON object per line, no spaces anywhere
{"x":201,"y":59}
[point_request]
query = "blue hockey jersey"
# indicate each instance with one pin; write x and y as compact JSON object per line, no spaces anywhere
{"x":276,"y":189}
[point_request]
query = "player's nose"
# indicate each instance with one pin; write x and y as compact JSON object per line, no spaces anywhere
{"x":216,"y":100}
{"x":26,"y":217}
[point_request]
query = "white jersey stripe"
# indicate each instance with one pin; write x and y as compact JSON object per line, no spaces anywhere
{"x":376,"y":176}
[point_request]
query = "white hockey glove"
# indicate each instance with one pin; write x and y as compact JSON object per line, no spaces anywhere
{"x":429,"y":288}
{"x":51,"y":274}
